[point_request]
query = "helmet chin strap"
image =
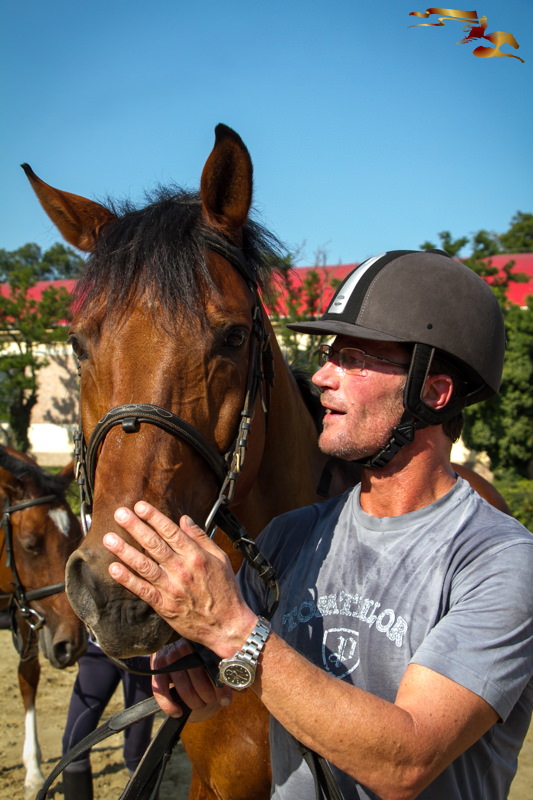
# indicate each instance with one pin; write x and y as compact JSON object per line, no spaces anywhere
{"x":403,"y":433}
{"x":416,"y":415}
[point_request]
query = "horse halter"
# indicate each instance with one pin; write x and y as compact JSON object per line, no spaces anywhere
{"x":20,"y":599}
{"x":226,"y":467}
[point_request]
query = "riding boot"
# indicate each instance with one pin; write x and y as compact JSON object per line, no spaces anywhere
{"x":78,"y":785}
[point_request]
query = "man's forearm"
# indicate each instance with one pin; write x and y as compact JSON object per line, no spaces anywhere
{"x":384,"y":746}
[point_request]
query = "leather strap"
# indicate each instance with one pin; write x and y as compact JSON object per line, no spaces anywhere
{"x":145,"y":782}
{"x":326,"y":787}
{"x":130,"y":417}
{"x":157,"y":752}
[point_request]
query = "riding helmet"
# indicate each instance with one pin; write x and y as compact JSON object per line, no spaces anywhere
{"x":433,"y":302}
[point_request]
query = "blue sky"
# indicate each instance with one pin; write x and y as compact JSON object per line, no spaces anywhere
{"x":366,"y":134}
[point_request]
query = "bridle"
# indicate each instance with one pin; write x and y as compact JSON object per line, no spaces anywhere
{"x":226,"y":467}
{"x":20,"y":599}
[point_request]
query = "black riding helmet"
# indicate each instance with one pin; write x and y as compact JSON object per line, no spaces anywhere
{"x":442,"y":308}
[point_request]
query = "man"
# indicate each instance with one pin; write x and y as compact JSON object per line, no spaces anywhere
{"x":402,"y":647}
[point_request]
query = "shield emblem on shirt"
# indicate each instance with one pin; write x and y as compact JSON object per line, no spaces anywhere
{"x":340,"y":651}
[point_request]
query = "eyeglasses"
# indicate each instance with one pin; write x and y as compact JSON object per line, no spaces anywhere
{"x":350,"y":359}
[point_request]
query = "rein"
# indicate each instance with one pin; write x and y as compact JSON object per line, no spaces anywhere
{"x":20,"y":599}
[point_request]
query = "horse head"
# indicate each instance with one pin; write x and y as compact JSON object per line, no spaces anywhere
{"x":40,"y":532}
{"x":171,"y":337}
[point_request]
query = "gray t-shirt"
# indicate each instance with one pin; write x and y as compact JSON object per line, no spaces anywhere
{"x":448,"y":587}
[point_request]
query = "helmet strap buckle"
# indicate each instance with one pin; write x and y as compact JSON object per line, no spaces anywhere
{"x":401,"y":434}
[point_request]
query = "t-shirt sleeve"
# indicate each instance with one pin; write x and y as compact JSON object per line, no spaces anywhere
{"x":484,"y":641}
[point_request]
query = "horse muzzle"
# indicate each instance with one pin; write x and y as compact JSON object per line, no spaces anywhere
{"x":63,"y":647}
{"x":122,"y":624}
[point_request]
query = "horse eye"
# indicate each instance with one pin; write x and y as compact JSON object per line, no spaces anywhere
{"x":236,"y":338}
{"x":32,"y":547}
{"x":77,"y":347}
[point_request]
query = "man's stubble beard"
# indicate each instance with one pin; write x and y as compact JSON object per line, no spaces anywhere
{"x":346,"y":448}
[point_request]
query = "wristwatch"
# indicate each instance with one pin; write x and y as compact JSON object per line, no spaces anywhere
{"x":239,"y":670}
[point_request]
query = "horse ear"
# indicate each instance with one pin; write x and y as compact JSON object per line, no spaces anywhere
{"x":78,"y":220}
{"x":226,"y":184}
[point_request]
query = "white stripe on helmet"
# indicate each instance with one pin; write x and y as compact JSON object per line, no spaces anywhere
{"x":339,"y":302}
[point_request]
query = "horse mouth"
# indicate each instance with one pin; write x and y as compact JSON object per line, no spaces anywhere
{"x":121,"y":623}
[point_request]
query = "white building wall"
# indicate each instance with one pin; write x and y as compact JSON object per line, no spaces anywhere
{"x":55,"y":415}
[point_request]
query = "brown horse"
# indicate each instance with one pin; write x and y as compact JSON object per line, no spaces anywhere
{"x":186,"y":401}
{"x":38,"y":534}
{"x":168,"y":315}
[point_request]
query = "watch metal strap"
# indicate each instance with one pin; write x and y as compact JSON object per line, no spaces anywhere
{"x":255,"y":641}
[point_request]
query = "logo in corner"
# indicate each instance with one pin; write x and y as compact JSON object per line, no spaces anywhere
{"x":476,"y":27}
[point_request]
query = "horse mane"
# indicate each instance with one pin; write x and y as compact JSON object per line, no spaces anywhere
{"x":155,"y":252}
{"x":310,"y":395}
{"x":44,"y":481}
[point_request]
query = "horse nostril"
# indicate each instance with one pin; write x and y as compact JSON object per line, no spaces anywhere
{"x":80,"y":586}
{"x":64,"y":654}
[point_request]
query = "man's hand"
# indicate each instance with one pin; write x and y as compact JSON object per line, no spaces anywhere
{"x":183,"y":576}
{"x":193,"y":686}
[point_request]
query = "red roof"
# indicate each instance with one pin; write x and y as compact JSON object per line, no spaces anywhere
{"x":36,"y":291}
{"x":516,"y":293}
{"x":523,"y":263}
{"x":296,"y":285}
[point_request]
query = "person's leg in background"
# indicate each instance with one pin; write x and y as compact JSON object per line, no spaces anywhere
{"x":95,"y":684}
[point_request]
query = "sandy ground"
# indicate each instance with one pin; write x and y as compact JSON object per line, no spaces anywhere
{"x":109,"y":773}
{"x":110,"y":777}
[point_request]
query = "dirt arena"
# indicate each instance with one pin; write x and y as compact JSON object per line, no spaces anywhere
{"x":110,"y":777}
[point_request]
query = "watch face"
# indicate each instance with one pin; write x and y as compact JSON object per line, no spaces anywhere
{"x":237,"y":675}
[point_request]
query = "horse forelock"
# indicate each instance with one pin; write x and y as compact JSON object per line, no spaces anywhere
{"x":44,"y":482}
{"x":156,"y":252}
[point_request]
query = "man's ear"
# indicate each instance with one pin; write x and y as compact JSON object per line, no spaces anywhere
{"x":438,"y":391}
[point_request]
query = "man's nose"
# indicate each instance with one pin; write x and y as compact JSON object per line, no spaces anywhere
{"x":326,"y":375}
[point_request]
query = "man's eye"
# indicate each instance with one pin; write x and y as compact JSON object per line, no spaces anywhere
{"x":351,"y":360}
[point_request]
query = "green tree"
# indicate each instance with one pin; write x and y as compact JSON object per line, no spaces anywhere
{"x":485,"y":244}
{"x":55,"y":263}
{"x":27,"y":325}
{"x":519,"y":237}
{"x":503,"y":426}
{"x":451,"y":246}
